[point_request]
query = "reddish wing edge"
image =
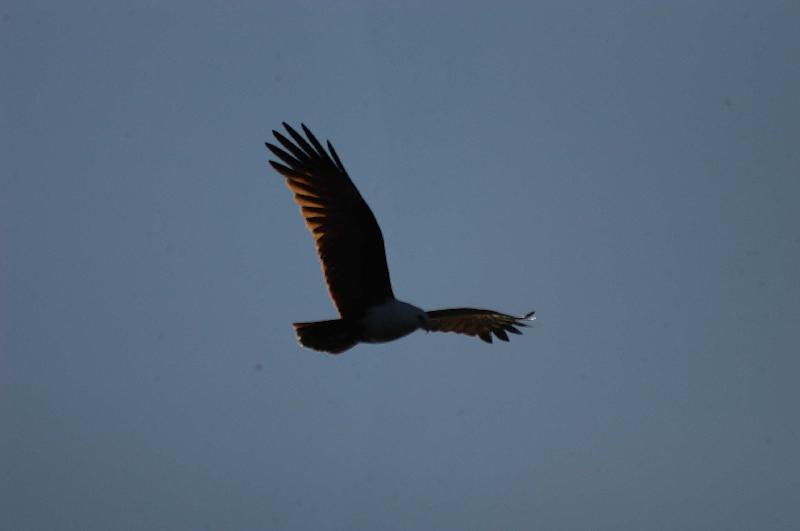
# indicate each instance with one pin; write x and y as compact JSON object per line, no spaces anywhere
{"x":347,"y":236}
{"x":477,"y":322}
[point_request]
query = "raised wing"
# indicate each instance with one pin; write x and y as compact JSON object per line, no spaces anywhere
{"x":474,"y":322}
{"x":348,"y":238}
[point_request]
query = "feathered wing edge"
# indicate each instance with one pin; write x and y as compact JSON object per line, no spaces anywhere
{"x":348,"y":239}
{"x":477,"y":322}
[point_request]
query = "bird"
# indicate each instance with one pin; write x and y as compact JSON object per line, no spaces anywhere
{"x":351,"y":251}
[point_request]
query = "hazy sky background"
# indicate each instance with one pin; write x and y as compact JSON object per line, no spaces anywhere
{"x":630,"y":170}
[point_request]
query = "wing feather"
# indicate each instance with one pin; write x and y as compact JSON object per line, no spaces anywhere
{"x":348,"y":239}
{"x":296,"y":152}
{"x":477,"y":322}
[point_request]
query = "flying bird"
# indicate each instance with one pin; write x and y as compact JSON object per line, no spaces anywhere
{"x":350,"y":248}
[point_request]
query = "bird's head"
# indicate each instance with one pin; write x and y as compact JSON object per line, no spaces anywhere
{"x":423,"y":320}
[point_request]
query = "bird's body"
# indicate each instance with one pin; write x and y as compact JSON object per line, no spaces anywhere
{"x":391,"y":320}
{"x":351,"y":250}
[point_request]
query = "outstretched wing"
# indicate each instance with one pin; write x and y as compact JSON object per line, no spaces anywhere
{"x":474,"y":322}
{"x":349,"y":241}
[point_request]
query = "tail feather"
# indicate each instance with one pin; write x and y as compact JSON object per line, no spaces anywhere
{"x":333,"y":337}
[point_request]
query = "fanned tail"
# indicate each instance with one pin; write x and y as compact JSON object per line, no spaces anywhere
{"x":333,"y":337}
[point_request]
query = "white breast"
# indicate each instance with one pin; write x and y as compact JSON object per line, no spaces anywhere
{"x":390,"y":320}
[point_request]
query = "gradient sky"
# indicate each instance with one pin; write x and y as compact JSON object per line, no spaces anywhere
{"x":629,"y":171}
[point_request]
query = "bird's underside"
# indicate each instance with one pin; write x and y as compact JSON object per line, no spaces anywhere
{"x":351,"y":251}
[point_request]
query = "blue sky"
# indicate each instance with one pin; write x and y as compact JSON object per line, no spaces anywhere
{"x":630,"y":171}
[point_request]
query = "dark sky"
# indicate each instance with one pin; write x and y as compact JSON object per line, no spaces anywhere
{"x":629,"y":170}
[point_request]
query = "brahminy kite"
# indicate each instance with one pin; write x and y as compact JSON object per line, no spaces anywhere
{"x":350,"y":249}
